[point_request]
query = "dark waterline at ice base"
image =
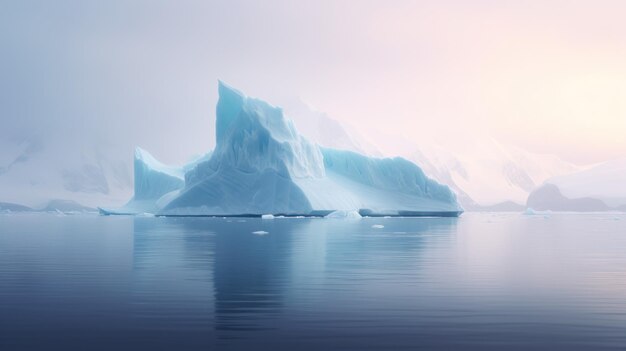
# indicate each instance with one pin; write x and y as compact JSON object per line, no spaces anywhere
{"x":482,"y":281}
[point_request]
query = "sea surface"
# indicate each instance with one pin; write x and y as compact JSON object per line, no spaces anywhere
{"x":478,"y":282}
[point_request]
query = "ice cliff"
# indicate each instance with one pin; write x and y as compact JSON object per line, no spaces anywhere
{"x":261,"y":164}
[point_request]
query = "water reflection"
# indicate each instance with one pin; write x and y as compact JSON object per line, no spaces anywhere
{"x":301,"y":262}
{"x":480,"y":281}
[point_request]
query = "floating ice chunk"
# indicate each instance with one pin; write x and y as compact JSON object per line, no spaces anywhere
{"x":260,"y":232}
{"x":145,"y":214}
{"x":530,"y":212}
{"x":267,"y":216}
{"x":344,"y":214}
{"x":378,"y":226}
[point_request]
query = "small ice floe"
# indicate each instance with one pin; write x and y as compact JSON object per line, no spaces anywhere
{"x":344,"y":214}
{"x":530,"y":212}
{"x":260,"y":232}
{"x":267,"y":216}
{"x":144,"y":214}
{"x":387,"y":217}
{"x":378,"y":226}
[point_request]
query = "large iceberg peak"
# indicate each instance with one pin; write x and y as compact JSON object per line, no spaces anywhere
{"x":252,"y":135}
{"x":229,"y":106}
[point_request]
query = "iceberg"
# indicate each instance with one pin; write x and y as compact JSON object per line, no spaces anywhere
{"x":154,"y":183}
{"x":262,"y":165}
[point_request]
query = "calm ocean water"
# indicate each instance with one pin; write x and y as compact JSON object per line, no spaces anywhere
{"x":482,"y":281}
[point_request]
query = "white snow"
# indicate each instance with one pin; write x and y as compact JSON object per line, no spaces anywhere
{"x":260,"y":232}
{"x":267,"y":216}
{"x":378,"y":226}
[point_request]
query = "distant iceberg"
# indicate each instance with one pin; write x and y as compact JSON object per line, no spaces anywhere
{"x":262,"y":165}
{"x":343,"y":214}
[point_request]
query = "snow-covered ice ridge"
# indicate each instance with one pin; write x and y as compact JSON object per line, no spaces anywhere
{"x":262,"y":165}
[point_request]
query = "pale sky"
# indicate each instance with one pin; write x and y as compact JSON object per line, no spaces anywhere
{"x":548,"y":76}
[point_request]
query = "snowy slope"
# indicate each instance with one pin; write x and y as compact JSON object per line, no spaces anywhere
{"x":484,"y":173}
{"x":490,"y":173}
{"x":602,"y":187}
{"x":323,"y":130}
{"x":261,"y":164}
{"x":36,"y":170}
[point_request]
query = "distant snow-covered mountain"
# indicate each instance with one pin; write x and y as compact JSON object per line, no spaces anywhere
{"x":484,"y":173}
{"x":318,"y":127}
{"x":35,"y":171}
{"x":488,"y":174}
{"x":599,"y":188}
